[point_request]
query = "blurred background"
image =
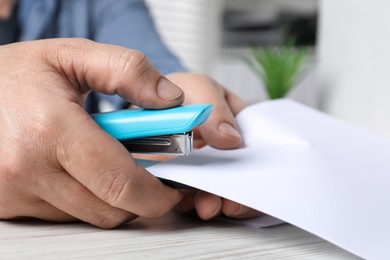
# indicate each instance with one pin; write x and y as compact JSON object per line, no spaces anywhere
{"x":346,"y":73}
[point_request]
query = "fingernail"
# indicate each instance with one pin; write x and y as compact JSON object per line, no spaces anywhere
{"x":227,"y":129}
{"x":167,"y":90}
{"x":241,"y":211}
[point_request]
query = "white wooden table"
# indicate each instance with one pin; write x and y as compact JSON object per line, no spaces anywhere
{"x":171,"y":237}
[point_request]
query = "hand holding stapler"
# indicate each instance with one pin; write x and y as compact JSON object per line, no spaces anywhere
{"x":165,"y":131}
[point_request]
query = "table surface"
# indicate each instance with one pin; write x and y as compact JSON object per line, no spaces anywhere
{"x":171,"y":237}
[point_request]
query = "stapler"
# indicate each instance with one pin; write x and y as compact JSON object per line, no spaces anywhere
{"x":165,"y":131}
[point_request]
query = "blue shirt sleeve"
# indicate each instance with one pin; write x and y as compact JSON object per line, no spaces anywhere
{"x":128,"y":23}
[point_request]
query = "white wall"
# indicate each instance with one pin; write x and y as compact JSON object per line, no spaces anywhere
{"x":191,"y":28}
{"x":354,"y":59}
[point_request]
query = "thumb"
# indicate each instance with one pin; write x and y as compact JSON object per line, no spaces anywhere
{"x":112,"y":70}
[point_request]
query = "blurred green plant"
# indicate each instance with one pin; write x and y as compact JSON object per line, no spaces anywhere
{"x":280,"y":68}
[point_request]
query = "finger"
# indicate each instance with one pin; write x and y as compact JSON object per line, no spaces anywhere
{"x":198,"y":141}
{"x":221,"y":130}
{"x":16,"y":203}
{"x":235,"y":210}
{"x":69,"y":196}
{"x":186,"y":205}
{"x":107,"y":170}
{"x":207,"y":205}
{"x":112,"y":70}
{"x":44,"y":211}
{"x":235,"y":105}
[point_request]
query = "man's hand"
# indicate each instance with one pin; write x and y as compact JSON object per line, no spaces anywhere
{"x":56,"y":164}
{"x":219,"y":131}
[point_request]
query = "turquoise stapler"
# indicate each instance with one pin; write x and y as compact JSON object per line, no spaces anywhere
{"x":165,"y":131}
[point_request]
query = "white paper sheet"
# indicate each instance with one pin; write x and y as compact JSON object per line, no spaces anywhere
{"x":305,"y":168}
{"x":257,"y":222}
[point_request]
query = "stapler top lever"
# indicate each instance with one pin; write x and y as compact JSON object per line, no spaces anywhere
{"x":165,"y":131}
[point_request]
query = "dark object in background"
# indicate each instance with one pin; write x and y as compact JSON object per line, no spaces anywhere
{"x":248,"y":29}
{"x":301,"y":28}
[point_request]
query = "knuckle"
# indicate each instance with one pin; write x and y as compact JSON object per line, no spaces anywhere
{"x":132,"y":65}
{"x":132,"y":74}
{"x":111,"y":219}
{"x":44,"y":134}
{"x":108,"y":223}
{"x":115,"y":186}
{"x":43,"y":127}
{"x":130,"y":61}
